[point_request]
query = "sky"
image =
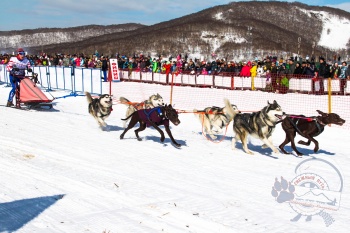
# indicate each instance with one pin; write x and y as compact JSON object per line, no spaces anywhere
{"x":32,"y":14}
{"x":61,"y":173}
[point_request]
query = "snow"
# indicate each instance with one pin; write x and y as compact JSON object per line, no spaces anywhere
{"x":217,"y":40}
{"x":335,"y":32}
{"x":61,"y":173}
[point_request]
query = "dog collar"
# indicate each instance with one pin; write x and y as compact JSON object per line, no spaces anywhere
{"x":319,"y":121}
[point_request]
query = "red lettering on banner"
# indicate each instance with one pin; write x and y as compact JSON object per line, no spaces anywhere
{"x":114,"y":69}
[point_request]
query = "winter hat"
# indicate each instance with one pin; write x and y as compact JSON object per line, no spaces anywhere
{"x":20,"y":50}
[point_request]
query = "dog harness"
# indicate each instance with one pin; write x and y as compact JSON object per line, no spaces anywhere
{"x":159,"y":111}
{"x":153,"y":116}
{"x":319,"y":124}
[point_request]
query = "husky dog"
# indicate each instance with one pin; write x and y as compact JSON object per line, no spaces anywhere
{"x":259,"y":124}
{"x":153,"y":101}
{"x":100,"y":108}
{"x":215,"y":119}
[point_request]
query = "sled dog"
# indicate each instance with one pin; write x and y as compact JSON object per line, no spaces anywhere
{"x":307,"y":127}
{"x":215,"y":119}
{"x":100,"y":108}
{"x":155,"y":117}
{"x":259,"y":124}
{"x":154,"y":100}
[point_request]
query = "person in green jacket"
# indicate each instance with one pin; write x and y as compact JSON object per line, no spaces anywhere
{"x":154,"y":65}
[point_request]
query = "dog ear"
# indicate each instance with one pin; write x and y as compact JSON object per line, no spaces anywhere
{"x":275,"y":102}
{"x":320,"y":112}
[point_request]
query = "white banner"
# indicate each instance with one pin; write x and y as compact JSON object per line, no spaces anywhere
{"x":114,"y":69}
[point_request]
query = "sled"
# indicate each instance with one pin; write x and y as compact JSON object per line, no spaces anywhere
{"x":31,"y":96}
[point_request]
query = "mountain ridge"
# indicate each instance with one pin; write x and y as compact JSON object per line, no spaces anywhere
{"x":237,"y":29}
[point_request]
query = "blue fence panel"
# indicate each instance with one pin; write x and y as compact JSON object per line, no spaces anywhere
{"x":64,"y":78}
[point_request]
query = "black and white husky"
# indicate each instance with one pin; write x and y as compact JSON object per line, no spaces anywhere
{"x":259,"y":124}
{"x":100,"y":108}
{"x":215,"y":119}
{"x":153,"y":101}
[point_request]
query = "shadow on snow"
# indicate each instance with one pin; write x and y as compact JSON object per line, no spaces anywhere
{"x":14,"y":215}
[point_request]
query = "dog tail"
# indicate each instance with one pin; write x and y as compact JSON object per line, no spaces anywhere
{"x":124,"y":100}
{"x":128,"y":116}
{"x":228,"y":110}
{"x":88,"y":96}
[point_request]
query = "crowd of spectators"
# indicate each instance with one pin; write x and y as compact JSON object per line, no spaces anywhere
{"x":277,"y":71}
{"x":270,"y":65}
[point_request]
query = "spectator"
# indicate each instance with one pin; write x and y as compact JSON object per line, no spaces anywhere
{"x":298,"y":69}
{"x":335,"y":70}
{"x":245,"y":72}
{"x":167,"y":67}
{"x":104,"y":67}
{"x":91,"y":63}
{"x":260,"y":70}
{"x":268,"y":86}
{"x":342,"y":77}
{"x":77,"y":61}
{"x":309,"y":70}
{"x":322,"y":73}
{"x":268,"y":63}
{"x":154,"y":65}
{"x":204,"y":71}
{"x":253,"y":69}
{"x":16,"y":66}
{"x":274,"y":74}
{"x":214,"y":66}
{"x":208,"y":67}
{"x":291,"y":68}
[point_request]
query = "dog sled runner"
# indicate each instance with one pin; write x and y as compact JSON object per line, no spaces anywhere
{"x":31,"y":96}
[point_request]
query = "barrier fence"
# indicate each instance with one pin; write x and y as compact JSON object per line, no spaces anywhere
{"x":296,"y":83}
{"x":64,"y":78}
{"x":84,"y":79}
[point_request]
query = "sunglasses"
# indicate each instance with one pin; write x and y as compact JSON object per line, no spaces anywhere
{"x":21,"y":53}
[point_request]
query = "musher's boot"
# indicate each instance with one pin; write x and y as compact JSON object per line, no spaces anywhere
{"x":9,"y":104}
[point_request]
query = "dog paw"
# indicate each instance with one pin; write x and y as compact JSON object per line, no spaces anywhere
{"x":264,"y":146}
{"x":250,"y":152}
{"x":177,"y":145}
{"x":276,"y":151}
{"x":282,"y":190}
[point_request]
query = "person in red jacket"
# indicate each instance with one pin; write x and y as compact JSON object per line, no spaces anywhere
{"x":245,"y":72}
{"x":17,"y":66}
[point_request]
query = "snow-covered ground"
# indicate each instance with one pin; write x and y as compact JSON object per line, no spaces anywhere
{"x":61,"y":173}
